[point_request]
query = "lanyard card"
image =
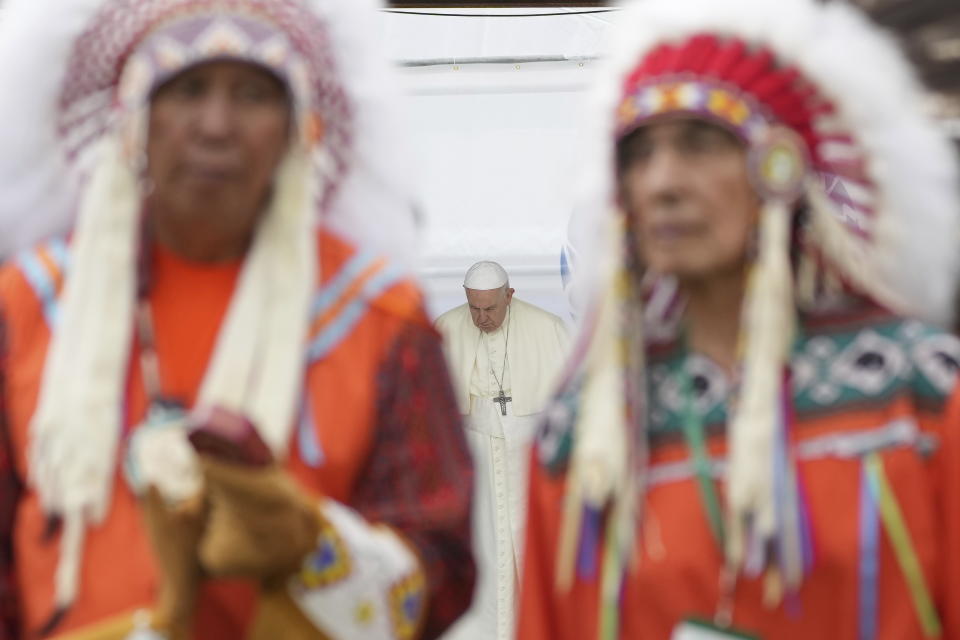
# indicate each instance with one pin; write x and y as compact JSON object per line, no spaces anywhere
{"x":695,"y":629}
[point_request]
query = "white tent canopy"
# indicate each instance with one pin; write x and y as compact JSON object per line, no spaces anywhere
{"x":495,"y":105}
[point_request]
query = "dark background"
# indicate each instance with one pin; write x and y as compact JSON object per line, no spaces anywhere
{"x":930,"y":30}
{"x":485,"y":3}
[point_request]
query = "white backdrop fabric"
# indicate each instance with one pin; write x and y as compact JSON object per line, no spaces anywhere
{"x":495,"y":143}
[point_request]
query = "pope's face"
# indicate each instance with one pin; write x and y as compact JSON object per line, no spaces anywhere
{"x":218,"y":132}
{"x":685,"y":187}
{"x":488,"y":307}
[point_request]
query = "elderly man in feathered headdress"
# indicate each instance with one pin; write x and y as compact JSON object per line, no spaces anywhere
{"x":760,"y":434}
{"x":225,"y":415}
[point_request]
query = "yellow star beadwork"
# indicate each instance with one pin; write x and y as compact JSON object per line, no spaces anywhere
{"x":671,"y":98}
{"x":407,"y":605}
{"x":628,"y":111}
{"x":695,"y":97}
{"x":329,"y":563}
{"x":728,"y":107}
{"x":364,"y":613}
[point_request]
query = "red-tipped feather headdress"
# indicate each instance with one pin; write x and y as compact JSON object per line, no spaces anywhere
{"x":831,"y":120}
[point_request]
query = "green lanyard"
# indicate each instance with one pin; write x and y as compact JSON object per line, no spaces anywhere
{"x":902,"y":543}
{"x":696,"y":443}
{"x":693,"y":434}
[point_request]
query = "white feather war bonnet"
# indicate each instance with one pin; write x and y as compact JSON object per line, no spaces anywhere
{"x":73,"y":153}
{"x":827,"y":133}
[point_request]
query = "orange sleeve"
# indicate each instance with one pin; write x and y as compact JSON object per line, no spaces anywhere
{"x":546,"y":614}
{"x":536,"y":619}
{"x":949,"y":481}
{"x":10,"y":492}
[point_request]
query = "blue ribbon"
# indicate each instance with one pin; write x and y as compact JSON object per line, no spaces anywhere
{"x":869,"y":559}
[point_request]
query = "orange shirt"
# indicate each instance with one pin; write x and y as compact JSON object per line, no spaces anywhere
{"x":678,"y":572}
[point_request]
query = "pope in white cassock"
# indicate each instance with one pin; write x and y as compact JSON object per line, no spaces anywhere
{"x":504,"y":356}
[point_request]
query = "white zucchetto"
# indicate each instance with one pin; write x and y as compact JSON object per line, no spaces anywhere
{"x":485,"y":275}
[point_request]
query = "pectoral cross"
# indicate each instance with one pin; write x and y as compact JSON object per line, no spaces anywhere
{"x":502,"y":400}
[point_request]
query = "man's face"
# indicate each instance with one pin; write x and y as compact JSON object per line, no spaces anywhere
{"x":488,"y":307}
{"x":685,"y":187}
{"x":218,"y":132}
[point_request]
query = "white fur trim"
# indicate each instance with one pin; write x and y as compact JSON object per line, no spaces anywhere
{"x":75,"y":428}
{"x":160,"y":455}
{"x":257,"y":366}
{"x":768,"y":322}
